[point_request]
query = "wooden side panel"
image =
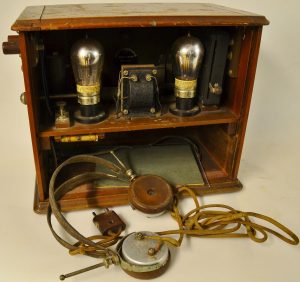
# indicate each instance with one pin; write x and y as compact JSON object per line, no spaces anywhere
{"x":32,"y":110}
{"x":235,"y":86}
{"x":226,"y":146}
{"x":219,"y":144}
{"x":242,"y":124}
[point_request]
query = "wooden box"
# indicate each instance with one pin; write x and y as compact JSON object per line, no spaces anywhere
{"x":150,"y":28}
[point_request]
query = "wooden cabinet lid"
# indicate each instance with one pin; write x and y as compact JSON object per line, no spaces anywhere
{"x":59,"y":17}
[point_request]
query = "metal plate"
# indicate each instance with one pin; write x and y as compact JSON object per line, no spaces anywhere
{"x":135,"y":250}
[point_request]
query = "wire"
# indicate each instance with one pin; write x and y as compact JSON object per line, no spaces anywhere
{"x":120,"y":97}
{"x":114,"y":149}
{"x":44,"y":82}
{"x":53,"y":153}
{"x":199,"y":222}
{"x":157,"y":93}
{"x":196,"y":149}
{"x":204,"y":222}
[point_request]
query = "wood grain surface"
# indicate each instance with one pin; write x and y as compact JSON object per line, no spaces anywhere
{"x":55,"y":17}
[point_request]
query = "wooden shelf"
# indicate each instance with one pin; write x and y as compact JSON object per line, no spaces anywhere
{"x":111,"y":124}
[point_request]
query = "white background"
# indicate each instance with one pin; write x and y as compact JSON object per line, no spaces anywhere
{"x":269,"y":171}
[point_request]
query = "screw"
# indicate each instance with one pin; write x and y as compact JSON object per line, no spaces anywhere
{"x":154,"y":71}
{"x":148,"y":77}
{"x":125,"y":112}
{"x":134,"y":78}
{"x":140,"y":236}
{"x":151,"y":251}
{"x":130,"y":173}
{"x":152,"y":110}
{"x":125,"y":72}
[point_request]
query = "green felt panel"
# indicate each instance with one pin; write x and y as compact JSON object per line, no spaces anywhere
{"x":175,"y":163}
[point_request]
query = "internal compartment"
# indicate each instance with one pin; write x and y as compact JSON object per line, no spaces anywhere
{"x":214,"y":130}
{"x":212,"y":147}
{"x":138,"y":46}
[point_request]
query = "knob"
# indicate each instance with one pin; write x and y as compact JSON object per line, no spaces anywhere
{"x":23,"y":98}
{"x":11,"y":46}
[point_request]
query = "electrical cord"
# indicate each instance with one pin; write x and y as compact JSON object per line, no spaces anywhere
{"x":44,"y":81}
{"x":204,"y":222}
{"x":199,"y":222}
{"x":53,"y":153}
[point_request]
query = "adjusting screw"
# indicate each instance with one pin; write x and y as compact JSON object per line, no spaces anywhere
{"x":140,"y":236}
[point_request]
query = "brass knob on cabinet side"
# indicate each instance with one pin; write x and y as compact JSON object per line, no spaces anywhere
{"x":23,"y":98}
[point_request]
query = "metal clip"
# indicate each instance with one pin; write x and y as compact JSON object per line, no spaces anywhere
{"x":215,"y":89}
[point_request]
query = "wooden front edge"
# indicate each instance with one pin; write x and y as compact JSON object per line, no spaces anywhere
{"x":143,"y":21}
{"x":242,"y":124}
{"x":118,"y":15}
{"x":93,"y":200}
{"x":27,"y":72}
{"x":147,"y":21}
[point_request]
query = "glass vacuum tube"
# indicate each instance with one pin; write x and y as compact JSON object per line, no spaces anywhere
{"x":187,"y":52}
{"x":87,"y":58}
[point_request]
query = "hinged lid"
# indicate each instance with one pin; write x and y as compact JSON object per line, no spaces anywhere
{"x":58,"y":17}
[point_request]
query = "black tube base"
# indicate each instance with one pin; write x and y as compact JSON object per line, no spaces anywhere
{"x":184,"y":113}
{"x":89,"y":115}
